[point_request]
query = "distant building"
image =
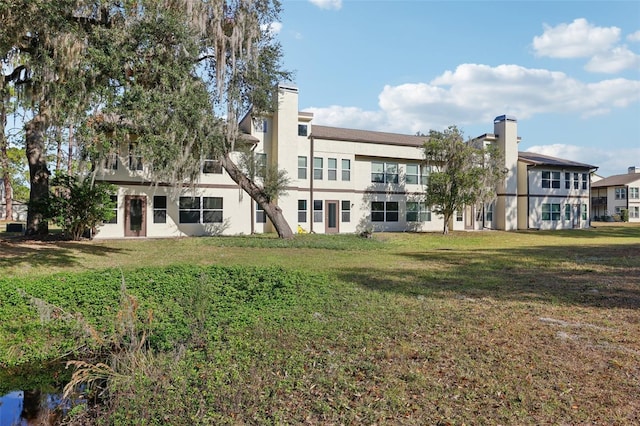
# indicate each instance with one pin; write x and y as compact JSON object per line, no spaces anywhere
{"x":611,"y":195}
{"x":343,"y":180}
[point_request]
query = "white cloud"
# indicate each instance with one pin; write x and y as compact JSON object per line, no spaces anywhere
{"x":575,"y":40}
{"x":614,"y":61}
{"x":273,"y":28}
{"x":609,"y":161}
{"x":475,"y":94}
{"x":633,"y":37}
{"x":327,"y":4}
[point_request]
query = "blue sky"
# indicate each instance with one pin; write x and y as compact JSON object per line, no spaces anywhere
{"x":569,"y":71}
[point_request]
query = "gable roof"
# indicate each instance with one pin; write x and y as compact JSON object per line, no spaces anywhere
{"x":367,"y":136}
{"x":617,"y":180}
{"x":546,"y":160}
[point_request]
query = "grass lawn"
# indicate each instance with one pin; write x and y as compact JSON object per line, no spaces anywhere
{"x":472,"y":328}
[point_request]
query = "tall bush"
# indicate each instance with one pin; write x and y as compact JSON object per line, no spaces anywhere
{"x":77,"y":204}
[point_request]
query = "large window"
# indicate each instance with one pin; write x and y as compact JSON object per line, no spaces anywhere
{"x":346,"y":210}
{"x":302,"y":167}
{"x":634,"y":212}
{"x":346,"y":169}
{"x":159,"y":209}
{"x":384,"y":211}
{"x":634,"y":193}
{"x":621,"y":193}
{"x":212,"y":166}
{"x":302,"y":211}
{"x":317,"y":168}
{"x":550,"y":179}
{"x":332,"y":169}
{"x":384,"y":172}
{"x":317,"y":210}
{"x":417,"y":212}
{"x":551,"y":212}
{"x":413,"y":174}
{"x":200,"y":210}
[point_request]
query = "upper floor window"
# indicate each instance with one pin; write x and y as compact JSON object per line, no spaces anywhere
{"x":212,"y":166}
{"x":317,"y":168}
{"x":302,"y":167}
{"x":111,"y":161}
{"x":346,"y":169}
{"x":332,"y":169}
{"x":384,"y":172}
{"x":261,"y":126}
{"x":412,"y":175}
{"x":567,"y":180}
{"x":550,"y":179}
{"x":576,"y":181}
{"x":621,"y":193}
{"x":135,"y":159}
{"x":261,"y":165}
{"x":585,"y":181}
{"x":634,"y":193}
{"x":303,"y":129}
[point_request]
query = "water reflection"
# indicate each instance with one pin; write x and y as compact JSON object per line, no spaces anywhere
{"x":26,"y":408}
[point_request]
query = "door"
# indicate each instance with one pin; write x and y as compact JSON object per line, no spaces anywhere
{"x":577,"y":216}
{"x":468,"y":217}
{"x":331,"y":217}
{"x":135,"y":216}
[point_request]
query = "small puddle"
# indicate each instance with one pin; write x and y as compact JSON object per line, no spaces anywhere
{"x":32,"y":395}
{"x":24,"y":408}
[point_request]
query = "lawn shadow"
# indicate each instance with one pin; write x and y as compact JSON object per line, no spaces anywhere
{"x":19,"y":252}
{"x":596,"y":276}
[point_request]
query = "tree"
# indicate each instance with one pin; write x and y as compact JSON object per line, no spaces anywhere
{"x":462,"y":175}
{"x":180,"y":73}
{"x":77,"y":204}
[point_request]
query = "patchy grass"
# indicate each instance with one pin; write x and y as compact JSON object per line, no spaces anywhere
{"x":472,"y":328}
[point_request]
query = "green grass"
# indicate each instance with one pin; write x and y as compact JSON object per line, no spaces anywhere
{"x":472,"y":328}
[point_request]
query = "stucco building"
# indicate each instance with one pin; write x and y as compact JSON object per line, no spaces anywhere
{"x":343,"y":180}
{"x":611,"y":195}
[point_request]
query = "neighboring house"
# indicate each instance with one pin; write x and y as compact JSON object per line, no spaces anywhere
{"x":18,"y":208}
{"x":342,"y":181}
{"x":611,"y":195}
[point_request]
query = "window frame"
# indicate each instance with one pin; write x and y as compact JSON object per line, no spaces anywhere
{"x":213,"y":167}
{"x":318,"y":167}
{"x":345,"y":211}
{"x":413,"y":177}
{"x":302,"y":211}
{"x":318,"y":211}
{"x":550,"y":212}
{"x":552,"y":179}
{"x":159,"y":211}
{"x":302,"y":169}
{"x":346,"y":171}
{"x":332,"y":169}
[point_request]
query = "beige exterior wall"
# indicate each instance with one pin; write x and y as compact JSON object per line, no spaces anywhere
{"x":506,"y":215}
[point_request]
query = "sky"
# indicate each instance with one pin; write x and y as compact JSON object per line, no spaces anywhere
{"x":569,"y":71}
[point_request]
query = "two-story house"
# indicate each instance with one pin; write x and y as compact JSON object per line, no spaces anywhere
{"x":611,"y":195}
{"x":343,"y":180}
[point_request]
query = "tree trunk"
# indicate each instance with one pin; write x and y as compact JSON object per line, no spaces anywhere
{"x":38,"y":175}
{"x":273,"y":212}
{"x":6,"y":177}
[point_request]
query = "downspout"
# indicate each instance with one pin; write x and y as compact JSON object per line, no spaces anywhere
{"x":252,"y":206}
{"x":311,"y":176}
{"x":528,"y":198}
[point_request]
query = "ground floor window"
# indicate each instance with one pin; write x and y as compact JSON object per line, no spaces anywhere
{"x":384,"y":211}
{"x":200,"y":210}
{"x":634,"y":212}
{"x":261,"y":216}
{"x":346,"y":211}
{"x":302,"y":211}
{"x":317,"y":210}
{"x":488,"y":213}
{"x":114,"y":200}
{"x":567,"y":212}
{"x":459,"y":215}
{"x":159,"y":209}
{"x":417,"y":212}
{"x":584,"y":212}
{"x":551,"y":212}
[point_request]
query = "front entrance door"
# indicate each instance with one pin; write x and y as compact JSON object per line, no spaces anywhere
{"x":331,"y":225}
{"x":135,"y":216}
{"x":468,"y":217}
